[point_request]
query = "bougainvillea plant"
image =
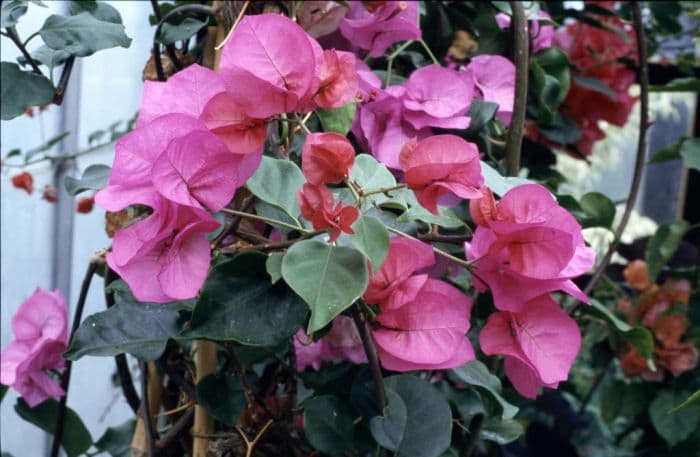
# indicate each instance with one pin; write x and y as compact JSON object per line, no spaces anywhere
{"x":324,"y":243}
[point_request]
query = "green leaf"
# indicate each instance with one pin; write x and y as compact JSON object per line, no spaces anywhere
{"x":140,"y":329}
{"x":328,"y":278}
{"x":45,"y":146}
{"x":94,"y":177}
{"x":370,"y":175}
{"x":611,"y":405}
{"x":170,"y":33}
{"x":328,"y":424}
{"x":239,"y":303}
{"x":276,"y":182}
{"x":673,"y":428}
{"x":690,"y":152}
{"x":116,"y":441}
{"x":51,"y":58}
{"x":3,"y":391}
{"x":480,"y":112}
{"x":102,"y":11}
{"x":678,"y":85}
{"x":599,"y":209}
{"x":663,"y":245}
{"x":639,"y":337}
{"x":371,"y":238}
{"x":20,"y":90}
{"x":76,"y":437}
{"x":222,"y":396}
{"x":692,"y":400}
{"x":337,"y":120}
{"x":598,"y":309}
{"x":595,"y":84}
{"x":643,"y":340}
{"x":273,"y":265}
{"x":501,"y":431}
{"x":555,"y":63}
{"x":427,"y":428}
{"x":561,"y":131}
{"x":83,"y":34}
{"x":11,"y":11}
{"x":476,"y":374}
{"x":498,"y":183}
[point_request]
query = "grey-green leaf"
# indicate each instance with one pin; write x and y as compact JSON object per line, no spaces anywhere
{"x":222,"y":396}
{"x":11,"y":11}
{"x":663,"y":245}
{"x":328,"y":424}
{"x":475,"y":373}
{"x":389,"y":429}
{"x":277,"y":182}
{"x":20,"y":90}
{"x":116,"y":441}
{"x":328,"y":278}
{"x":83,"y":34}
{"x":673,"y":428}
{"x":100,"y":10}
{"x":273,"y":265}
{"x":498,"y":183}
{"x":337,"y":120}
{"x":94,"y":177}
{"x":170,"y":33}
{"x":372,"y":239}
{"x":693,"y":399}
{"x":501,"y":431}
{"x":239,"y":303}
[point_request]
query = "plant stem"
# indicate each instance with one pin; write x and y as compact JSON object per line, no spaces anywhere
{"x":11,"y":33}
{"x":390,"y":60}
{"x":474,"y":430}
{"x":521,"y":45}
{"x":65,"y":378}
{"x":430,"y":53}
{"x":265,"y":219}
{"x":63,"y":82}
{"x":594,"y":387}
{"x":643,"y":75}
{"x":181,"y":426}
{"x":125,"y":380}
{"x":450,"y":239}
{"x":440,"y":252}
{"x":382,"y":190}
{"x":371,"y":352}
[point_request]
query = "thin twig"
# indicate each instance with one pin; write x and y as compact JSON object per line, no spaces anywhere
{"x":371,"y":353}
{"x":63,"y":82}
{"x":11,"y":33}
{"x":469,"y":265}
{"x":264,"y":219}
{"x":177,"y":430}
{"x":246,"y":205}
{"x":250,"y":445}
{"x":145,"y":411}
{"x":234,"y":26}
{"x":594,"y":387}
{"x":450,"y":239}
{"x":65,"y":378}
{"x":643,"y":74}
{"x":520,"y":58}
{"x":125,"y":380}
{"x":474,"y":430}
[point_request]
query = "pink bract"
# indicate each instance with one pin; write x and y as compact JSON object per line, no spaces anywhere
{"x":338,"y":79}
{"x":539,"y":343}
{"x":326,"y":158}
{"x":493,"y":76}
{"x":428,"y":332}
{"x":342,"y":342}
{"x":540,"y":35}
{"x":320,"y":17}
{"x":440,"y":165}
{"x":263,"y":77}
{"x":395,"y":282}
{"x":41,"y":337}
{"x":378,"y":26}
{"x":316,"y":205}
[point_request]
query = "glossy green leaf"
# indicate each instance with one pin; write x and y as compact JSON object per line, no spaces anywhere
{"x":277,"y":182}
{"x":170,"y":33}
{"x":83,"y":34}
{"x":598,"y":309}
{"x":643,"y":340}
{"x":501,"y":431}
{"x":689,"y":84}
{"x":94,"y":177}
{"x":692,"y":400}
{"x":328,"y":278}
{"x":238,"y":302}
{"x":337,"y":120}
{"x":222,"y":396}
{"x":476,"y":374}
{"x":673,"y":428}
{"x":662,"y":245}
{"x":116,"y":441}
{"x":372,"y":239}
{"x":102,"y":11}
{"x":140,"y":329}
{"x":273,"y":265}
{"x":599,"y":209}
{"x":690,"y":152}
{"x":427,"y":428}
{"x":76,"y":437}
{"x":561,"y":131}
{"x":328,"y":424}
{"x":20,"y":90}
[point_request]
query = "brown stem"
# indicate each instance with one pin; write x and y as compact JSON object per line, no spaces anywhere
{"x":63,"y":82}
{"x":177,"y":430}
{"x":450,"y":239}
{"x":371,"y":352}
{"x":11,"y":33}
{"x":246,"y":205}
{"x":125,"y":380}
{"x":475,"y":429}
{"x":146,"y":411}
{"x":520,"y":58}
{"x":643,"y":76}
{"x":65,"y":378}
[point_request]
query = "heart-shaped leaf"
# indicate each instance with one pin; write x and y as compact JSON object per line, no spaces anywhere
{"x":475,"y":373}
{"x":94,"y":178}
{"x":328,"y":424}
{"x":83,"y":34}
{"x":222,"y":396}
{"x":277,"y":182}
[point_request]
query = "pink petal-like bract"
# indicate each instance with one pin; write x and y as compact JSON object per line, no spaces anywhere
{"x":320,"y":17}
{"x":342,"y":342}
{"x":197,"y":170}
{"x":242,"y":134}
{"x":338,"y":79}
{"x":442,"y":164}
{"x":494,"y":79}
{"x":41,"y":337}
{"x":428,"y":332}
{"x":268,"y":65}
{"x":326,"y":158}
{"x":542,"y":337}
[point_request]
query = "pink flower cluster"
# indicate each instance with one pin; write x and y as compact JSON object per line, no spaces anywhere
{"x":199,"y":137}
{"x":41,"y":336}
{"x":540,"y":35}
{"x":526,"y":246}
{"x":388,"y":118}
